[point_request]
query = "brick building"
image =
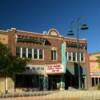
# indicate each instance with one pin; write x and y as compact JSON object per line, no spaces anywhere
{"x":53,"y":59}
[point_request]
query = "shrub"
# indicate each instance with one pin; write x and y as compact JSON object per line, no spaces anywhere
{"x":98,"y":86}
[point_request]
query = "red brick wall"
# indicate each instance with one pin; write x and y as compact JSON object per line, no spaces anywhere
{"x":55,"y":42}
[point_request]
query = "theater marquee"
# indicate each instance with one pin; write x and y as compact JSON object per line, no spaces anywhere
{"x":55,"y":68}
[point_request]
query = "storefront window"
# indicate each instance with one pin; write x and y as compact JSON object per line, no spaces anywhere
{"x":27,"y":81}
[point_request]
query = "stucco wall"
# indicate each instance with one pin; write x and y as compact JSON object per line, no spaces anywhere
{"x":94,"y":65}
{"x":10,"y":84}
{"x":4,"y":39}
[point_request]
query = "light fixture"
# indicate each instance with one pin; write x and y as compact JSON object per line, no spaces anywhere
{"x":84,"y":27}
{"x":70,"y":32}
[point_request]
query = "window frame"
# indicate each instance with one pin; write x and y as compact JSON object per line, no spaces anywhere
{"x":38,"y":54}
{"x":54,"y":55}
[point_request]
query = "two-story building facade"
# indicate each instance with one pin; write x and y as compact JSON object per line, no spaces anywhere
{"x":53,"y":59}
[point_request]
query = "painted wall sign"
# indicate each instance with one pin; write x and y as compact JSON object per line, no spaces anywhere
{"x":54,"y":68}
{"x":63,"y":53}
{"x":35,"y":69}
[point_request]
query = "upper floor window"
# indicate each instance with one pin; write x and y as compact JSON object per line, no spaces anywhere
{"x":81,"y":56}
{"x":23,"y":52}
{"x":29,"y":52}
{"x":38,"y":54}
{"x":53,"y":55}
{"x":74,"y":56}
{"x":18,"y":51}
{"x":69,"y":56}
{"x":35,"y":53}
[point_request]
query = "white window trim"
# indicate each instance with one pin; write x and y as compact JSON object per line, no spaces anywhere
{"x":20,"y":52}
{"x":37,"y":54}
{"x":54,"y":57}
{"x":32,"y":54}
{"x":72,"y":56}
{"x":27,"y":52}
{"x":80,"y":57}
{"x":76,"y":57}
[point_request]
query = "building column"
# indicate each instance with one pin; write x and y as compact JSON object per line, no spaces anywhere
{"x":85,"y":82}
{"x":45,"y":79}
{"x":94,"y":81}
{"x":62,"y":83}
{"x":98,"y":81}
{"x":45,"y":82}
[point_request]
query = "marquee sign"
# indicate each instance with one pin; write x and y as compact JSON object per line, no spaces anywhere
{"x":55,"y":68}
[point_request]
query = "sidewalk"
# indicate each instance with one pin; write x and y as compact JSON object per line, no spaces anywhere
{"x":62,"y":95}
{"x":82,"y":94}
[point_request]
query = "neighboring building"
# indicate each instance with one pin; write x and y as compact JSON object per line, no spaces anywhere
{"x":53,"y":59}
{"x":4,"y":39}
{"x":94,"y":67}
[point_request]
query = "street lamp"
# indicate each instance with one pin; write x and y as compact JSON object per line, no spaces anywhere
{"x":70,"y":32}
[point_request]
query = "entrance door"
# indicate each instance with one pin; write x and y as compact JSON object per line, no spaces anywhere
{"x":54,"y":81}
{"x":71,"y":81}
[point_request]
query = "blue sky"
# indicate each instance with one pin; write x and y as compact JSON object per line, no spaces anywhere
{"x":41,"y":15}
